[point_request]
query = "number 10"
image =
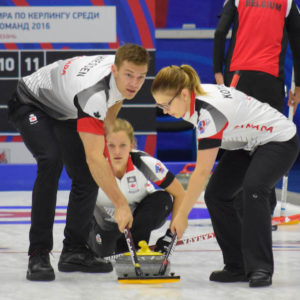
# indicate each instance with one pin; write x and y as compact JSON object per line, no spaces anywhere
{"x":7,"y":64}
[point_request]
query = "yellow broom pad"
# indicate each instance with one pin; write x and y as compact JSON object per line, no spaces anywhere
{"x":148,"y":280}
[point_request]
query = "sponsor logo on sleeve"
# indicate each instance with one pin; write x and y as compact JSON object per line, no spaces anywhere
{"x":202,"y":125}
{"x":159,"y":169}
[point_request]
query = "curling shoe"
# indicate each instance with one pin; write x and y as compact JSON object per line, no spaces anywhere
{"x":228,"y":274}
{"x":39,"y":267}
{"x":82,"y":259}
{"x":260,"y":278}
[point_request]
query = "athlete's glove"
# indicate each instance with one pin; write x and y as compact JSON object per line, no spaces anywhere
{"x":163,"y":242}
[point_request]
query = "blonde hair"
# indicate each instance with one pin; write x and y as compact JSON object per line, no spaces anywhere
{"x":124,"y":125}
{"x":133,"y":53}
{"x":175,"y":78}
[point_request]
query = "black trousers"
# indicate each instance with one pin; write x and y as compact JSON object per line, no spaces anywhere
{"x":150,"y":214}
{"x":54,"y":143}
{"x":265,"y":88}
{"x":247,"y":242}
{"x":262,"y":86}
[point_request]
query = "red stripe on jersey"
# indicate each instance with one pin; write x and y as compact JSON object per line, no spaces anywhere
{"x":91,"y":125}
{"x":130,"y":166}
{"x":192,"y":106}
{"x":218,"y":135}
{"x":259,"y":36}
{"x":160,"y":181}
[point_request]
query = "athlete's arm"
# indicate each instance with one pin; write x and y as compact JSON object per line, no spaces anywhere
{"x":226,"y":20}
{"x":103,"y":176}
{"x":205,"y":161}
{"x":293,"y":29}
{"x":111,"y":115}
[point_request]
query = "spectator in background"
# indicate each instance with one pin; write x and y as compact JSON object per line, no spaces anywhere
{"x":62,"y":111}
{"x":260,"y":33}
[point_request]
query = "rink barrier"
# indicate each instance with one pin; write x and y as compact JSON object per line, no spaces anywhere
{"x":20,"y":177}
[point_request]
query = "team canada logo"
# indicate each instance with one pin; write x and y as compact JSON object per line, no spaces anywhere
{"x":132,"y":184}
{"x":202,"y":125}
{"x":32,"y":119}
{"x":98,"y":239}
{"x":159,"y":168}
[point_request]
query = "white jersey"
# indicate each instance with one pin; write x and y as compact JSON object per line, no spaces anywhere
{"x":73,"y":88}
{"x":136,"y":184}
{"x":228,"y":118}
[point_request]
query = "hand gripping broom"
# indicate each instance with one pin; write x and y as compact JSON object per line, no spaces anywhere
{"x":140,"y":277}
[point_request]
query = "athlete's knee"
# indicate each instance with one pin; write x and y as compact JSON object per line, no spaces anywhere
{"x":163,"y":200}
{"x":256,"y":191}
{"x":50,"y":163}
{"x":211,"y":195}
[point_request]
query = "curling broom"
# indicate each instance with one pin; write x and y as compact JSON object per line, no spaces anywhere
{"x":283,"y":214}
{"x":188,"y":240}
{"x":140,"y":277}
{"x":170,"y":249}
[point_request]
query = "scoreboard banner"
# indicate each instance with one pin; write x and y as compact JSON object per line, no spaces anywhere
{"x":34,"y":33}
{"x":58,"y":24}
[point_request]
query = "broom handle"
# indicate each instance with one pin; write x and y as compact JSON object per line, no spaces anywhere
{"x":286,"y":176}
{"x":170,"y":250}
{"x":131,"y":247}
{"x":190,"y":240}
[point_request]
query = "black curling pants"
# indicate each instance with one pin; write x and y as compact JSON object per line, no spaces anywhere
{"x":265,"y":88}
{"x":53,"y":143}
{"x":246,"y":242}
{"x":150,"y":214}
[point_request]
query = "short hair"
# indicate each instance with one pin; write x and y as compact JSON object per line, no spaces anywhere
{"x":132,"y":53}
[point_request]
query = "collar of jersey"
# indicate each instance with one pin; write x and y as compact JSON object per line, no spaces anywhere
{"x":192,"y":105}
{"x":115,"y":93}
{"x":130,"y":166}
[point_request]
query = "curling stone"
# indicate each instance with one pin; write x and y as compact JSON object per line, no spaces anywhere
{"x":149,"y":261}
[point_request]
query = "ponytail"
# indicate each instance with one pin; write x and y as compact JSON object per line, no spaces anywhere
{"x":175,"y":77}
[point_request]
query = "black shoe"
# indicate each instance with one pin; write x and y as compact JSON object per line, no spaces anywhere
{"x":82,"y":260}
{"x":39,"y":267}
{"x":260,"y":278}
{"x":228,"y":274}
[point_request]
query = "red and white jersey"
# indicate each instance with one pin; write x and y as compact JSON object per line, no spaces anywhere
{"x":260,"y":33}
{"x":136,"y":184}
{"x":228,"y":118}
{"x":74,"y":88}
